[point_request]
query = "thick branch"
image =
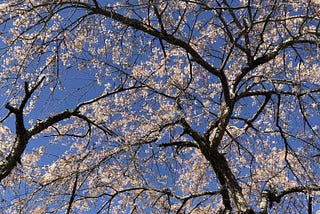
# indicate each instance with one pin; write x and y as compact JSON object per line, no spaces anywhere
{"x":268,"y":197}
{"x":201,"y":141}
{"x":298,"y":189}
{"x":39,"y":127}
{"x":138,"y":25}
{"x":22,"y":137}
{"x":22,"y":134}
{"x":162,"y":35}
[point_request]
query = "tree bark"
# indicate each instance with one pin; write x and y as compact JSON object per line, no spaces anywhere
{"x":229,"y":182}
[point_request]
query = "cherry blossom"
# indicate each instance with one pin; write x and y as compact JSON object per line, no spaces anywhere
{"x":159,"y":106}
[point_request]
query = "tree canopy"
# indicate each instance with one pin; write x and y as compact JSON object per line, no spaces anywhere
{"x":151,"y":106}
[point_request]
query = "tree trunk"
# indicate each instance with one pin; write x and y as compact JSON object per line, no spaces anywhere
{"x":228,"y":182}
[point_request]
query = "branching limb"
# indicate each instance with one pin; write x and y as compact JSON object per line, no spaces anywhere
{"x":268,"y":197}
{"x":138,"y":25}
{"x":89,"y":121}
{"x":161,"y":192}
{"x":42,"y":125}
{"x":29,"y":92}
{"x":251,"y":120}
{"x":22,"y":134}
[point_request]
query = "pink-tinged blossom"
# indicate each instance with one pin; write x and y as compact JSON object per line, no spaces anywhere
{"x":159,"y":106}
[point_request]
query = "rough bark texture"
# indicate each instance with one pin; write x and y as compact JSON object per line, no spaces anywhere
{"x":22,"y":134}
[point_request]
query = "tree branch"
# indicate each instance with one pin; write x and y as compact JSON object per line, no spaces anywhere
{"x":42,"y":125}
{"x":22,"y":134}
{"x":268,"y":197}
{"x":73,"y":194}
{"x":138,"y":25}
{"x":180,"y":144}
